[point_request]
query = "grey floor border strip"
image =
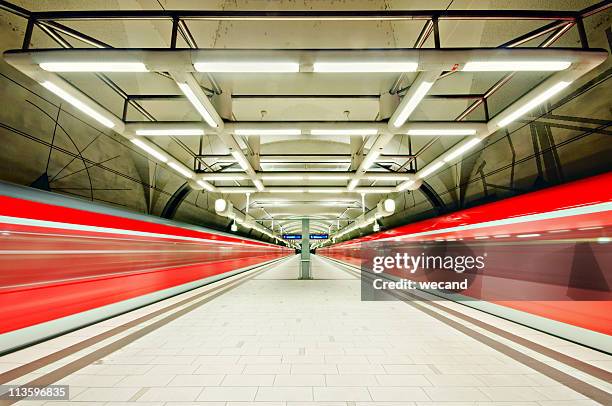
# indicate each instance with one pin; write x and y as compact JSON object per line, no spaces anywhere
{"x":22,"y":370}
{"x":586,"y":389}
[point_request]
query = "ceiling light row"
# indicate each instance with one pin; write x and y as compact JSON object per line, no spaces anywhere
{"x":296,"y":131}
{"x":506,"y":119}
{"x":162,"y":157}
{"x":287,"y":66}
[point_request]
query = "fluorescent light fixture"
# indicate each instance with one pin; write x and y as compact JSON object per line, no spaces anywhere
{"x":352,"y":184}
{"x":590,"y":228}
{"x":370,"y":159}
{"x":462,"y":149}
{"x":181,"y":169}
{"x":356,"y":131}
{"x":512,"y":66}
{"x":78,"y":104}
{"x":94,"y":66}
{"x":226,"y":176}
{"x":241,"y":159}
{"x":558,"y":231}
{"x":254,"y":131}
{"x":408,"y":107}
{"x":328,"y":177}
{"x":430,"y":169}
{"x":381,"y":176}
{"x":481,"y":237}
{"x":171,"y":131}
{"x":187,"y":91}
{"x":602,"y":240}
{"x":501,"y":236}
{"x":248,"y":67}
{"x":282,"y":190}
{"x":149,"y":150}
{"x":364,"y":67}
{"x":447,"y":131}
{"x":206,"y":185}
{"x":282,"y":177}
{"x":528,"y":235}
{"x":328,"y":190}
{"x":405,"y":185}
{"x":533,"y":103}
{"x":258,"y":184}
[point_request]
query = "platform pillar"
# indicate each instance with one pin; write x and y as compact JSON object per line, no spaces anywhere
{"x":305,"y":255}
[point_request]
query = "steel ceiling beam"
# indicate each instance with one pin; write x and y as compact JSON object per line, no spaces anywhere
{"x":306,"y":15}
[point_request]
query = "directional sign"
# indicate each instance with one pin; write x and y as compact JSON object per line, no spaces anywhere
{"x":319,"y":236}
{"x":292,"y":236}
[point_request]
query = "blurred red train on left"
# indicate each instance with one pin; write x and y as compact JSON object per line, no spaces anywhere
{"x":61,"y":257}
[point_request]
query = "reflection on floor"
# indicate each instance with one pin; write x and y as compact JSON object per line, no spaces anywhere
{"x":275,"y":340}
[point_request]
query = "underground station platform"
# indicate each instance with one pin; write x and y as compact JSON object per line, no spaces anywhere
{"x":317,"y":203}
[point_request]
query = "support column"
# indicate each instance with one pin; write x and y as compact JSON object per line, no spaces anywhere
{"x":305,"y":256}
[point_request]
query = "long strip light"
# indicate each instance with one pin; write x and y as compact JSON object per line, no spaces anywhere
{"x":353,"y":184}
{"x":365,"y":67}
{"x":386,"y":176}
{"x":241,"y":159}
{"x":208,"y":117}
{"x":149,"y":150}
{"x":462,"y":149}
{"x":254,"y":131}
{"x":512,"y":66}
{"x":258,"y":184}
{"x":430,"y":169}
{"x":94,"y":67}
{"x":405,"y":185}
{"x":78,"y":104}
{"x":437,"y":132}
{"x":170,"y":132}
{"x":325,"y":190}
{"x":533,"y":103}
{"x":283,"y":177}
{"x":247,"y":67}
{"x":226,"y":176}
{"x":356,"y":131}
{"x":282,"y":190}
{"x":181,"y":169}
{"x":331,"y":176}
{"x":370,"y":159}
{"x":411,"y":104}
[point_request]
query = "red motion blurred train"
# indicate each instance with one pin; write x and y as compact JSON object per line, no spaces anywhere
{"x":65,"y":263}
{"x":554,"y":242}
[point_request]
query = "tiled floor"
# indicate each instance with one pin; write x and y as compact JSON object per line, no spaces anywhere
{"x":275,"y":340}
